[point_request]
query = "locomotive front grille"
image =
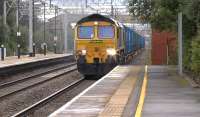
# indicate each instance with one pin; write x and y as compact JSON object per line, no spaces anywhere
{"x":96,"y":60}
{"x":96,"y":49}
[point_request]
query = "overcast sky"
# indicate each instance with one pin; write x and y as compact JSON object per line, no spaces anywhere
{"x":92,"y":3}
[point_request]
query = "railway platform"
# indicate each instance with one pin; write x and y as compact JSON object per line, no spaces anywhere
{"x":169,"y":95}
{"x":136,"y":90}
{"x":13,"y":60}
{"x":13,"y":63}
{"x":107,"y":97}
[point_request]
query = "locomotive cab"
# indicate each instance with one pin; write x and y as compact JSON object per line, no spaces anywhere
{"x":96,"y":45}
{"x":101,"y":43}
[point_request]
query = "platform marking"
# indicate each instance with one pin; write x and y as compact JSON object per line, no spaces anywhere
{"x":142,"y":95}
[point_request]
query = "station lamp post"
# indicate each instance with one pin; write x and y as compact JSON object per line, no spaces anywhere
{"x":34,"y":48}
{"x":32,"y":27}
{"x":44,"y":44}
{"x":55,"y":44}
{"x":2,"y":52}
{"x":18,"y":32}
{"x":112,"y":9}
{"x":2,"y":48}
{"x":55,"y":37}
{"x":18,"y":45}
{"x":180,"y":53}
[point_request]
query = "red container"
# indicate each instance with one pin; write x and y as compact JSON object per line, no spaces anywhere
{"x":163,"y":47}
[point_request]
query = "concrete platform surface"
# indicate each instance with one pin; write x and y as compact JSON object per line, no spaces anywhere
{"x":107,"y":97}
{"x":13,"y":60}
{"x":169,"y":95}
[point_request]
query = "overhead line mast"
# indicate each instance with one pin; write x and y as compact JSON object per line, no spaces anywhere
{"x":31,"y":27}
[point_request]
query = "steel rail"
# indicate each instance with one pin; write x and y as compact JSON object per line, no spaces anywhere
{"x":43,"y":81}
{"x":34,"y":76}
{"x":44,"y":101}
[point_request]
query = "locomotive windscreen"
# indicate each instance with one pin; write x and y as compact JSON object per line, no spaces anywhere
{"x":85,"y":32}
{"x":106,"y":32}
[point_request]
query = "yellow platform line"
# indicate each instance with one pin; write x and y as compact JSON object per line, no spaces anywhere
{"x":142,"y":95}
{"x":118,"y":101}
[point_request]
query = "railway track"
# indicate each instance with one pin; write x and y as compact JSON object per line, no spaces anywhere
{"x":29,"y":110}
{"x":16,"y":86}
{"x":35,"y":75}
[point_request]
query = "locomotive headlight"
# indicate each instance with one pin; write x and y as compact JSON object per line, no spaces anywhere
{"x":83,"y":52}
{"x":111,"y":51}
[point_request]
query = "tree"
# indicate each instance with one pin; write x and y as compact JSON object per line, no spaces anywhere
{"x":8,"y":33}
{"x":141,"y":9}
{"x":195,"y":56}
{"x":162,"y":15}
{"x":1,"y":7}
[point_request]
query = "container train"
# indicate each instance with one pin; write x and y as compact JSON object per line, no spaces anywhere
{"x":102,"y":43}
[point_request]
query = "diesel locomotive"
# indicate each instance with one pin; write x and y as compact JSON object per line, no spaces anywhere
{"x":102,"y":42}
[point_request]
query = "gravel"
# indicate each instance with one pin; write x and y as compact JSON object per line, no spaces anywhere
{"x":15,"y":103}
{"x":33,"y":81}
{"x":33,"y":71}
{"x":62,"y":99}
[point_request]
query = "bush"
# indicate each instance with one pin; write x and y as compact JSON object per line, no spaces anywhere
{"x":195,"y":57}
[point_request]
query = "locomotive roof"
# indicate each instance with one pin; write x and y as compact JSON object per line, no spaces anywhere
{"x":97,"y":17}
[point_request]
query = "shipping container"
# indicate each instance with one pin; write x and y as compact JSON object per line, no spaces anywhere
{"x":133,"y":41}
{"x":142,"y":42}
{"x":129,"y":41}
